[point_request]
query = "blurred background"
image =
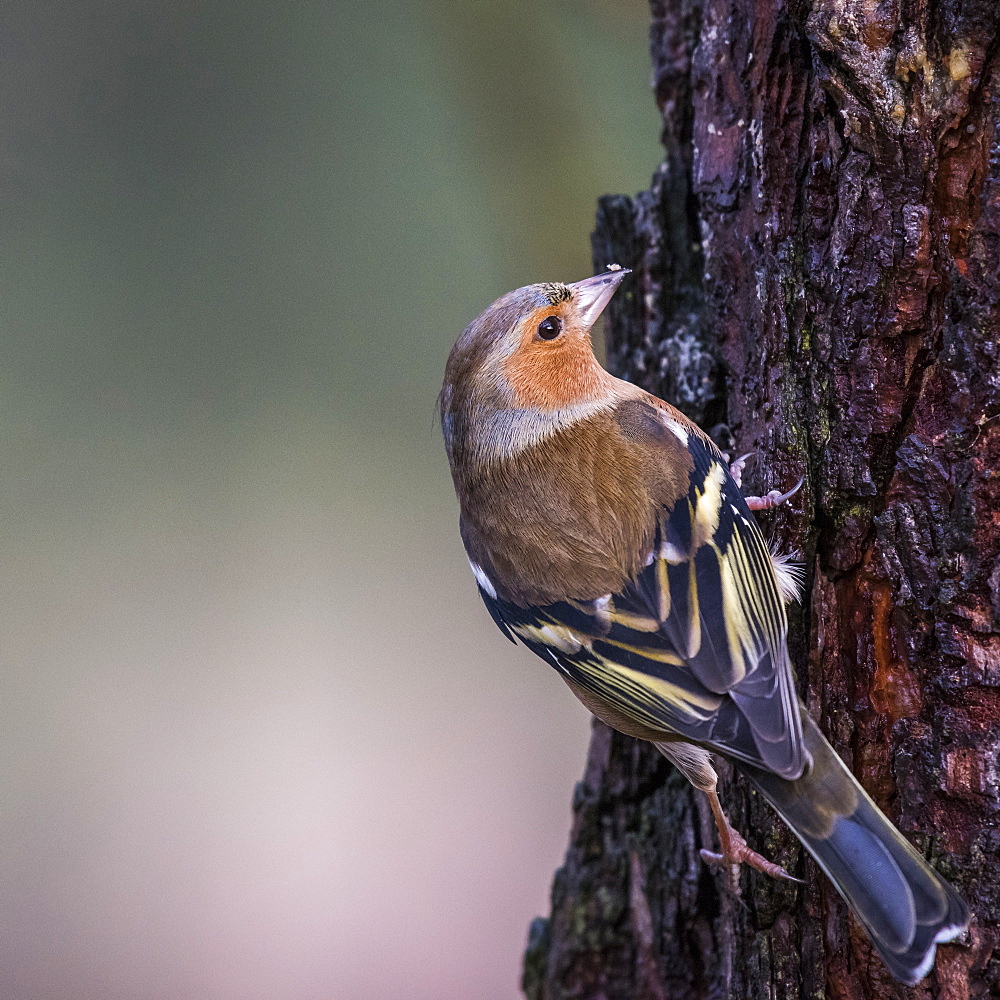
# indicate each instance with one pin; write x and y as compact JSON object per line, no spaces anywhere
{"x":260,"y":740}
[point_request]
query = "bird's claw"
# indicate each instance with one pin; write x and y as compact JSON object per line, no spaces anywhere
{"x":772,"y":499}
{"x":736,"y":469}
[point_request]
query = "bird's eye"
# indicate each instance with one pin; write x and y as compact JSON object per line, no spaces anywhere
{"x":549,"y":328}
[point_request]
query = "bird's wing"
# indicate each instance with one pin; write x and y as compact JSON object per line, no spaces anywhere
{"x":695,"y":644}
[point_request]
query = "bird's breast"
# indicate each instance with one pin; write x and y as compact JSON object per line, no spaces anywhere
{"x":573,"y":516}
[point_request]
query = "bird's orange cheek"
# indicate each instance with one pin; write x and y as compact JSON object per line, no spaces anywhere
{"x":551,"y":376}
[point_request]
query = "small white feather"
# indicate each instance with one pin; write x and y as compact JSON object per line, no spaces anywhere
{"x":790,"y":573}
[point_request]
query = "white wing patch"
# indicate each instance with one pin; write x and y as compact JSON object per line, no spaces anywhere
{"x":674,"y":427}
{"x":483,"y":580}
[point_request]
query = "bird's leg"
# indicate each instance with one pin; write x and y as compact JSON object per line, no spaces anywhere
{"x":734,"y":848}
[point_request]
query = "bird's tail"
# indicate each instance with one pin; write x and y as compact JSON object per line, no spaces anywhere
{"x":904,"y":905}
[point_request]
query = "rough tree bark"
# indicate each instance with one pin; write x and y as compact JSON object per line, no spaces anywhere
{"x":818,"y":279}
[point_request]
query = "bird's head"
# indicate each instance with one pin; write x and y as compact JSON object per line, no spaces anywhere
{"x":528,"y":353}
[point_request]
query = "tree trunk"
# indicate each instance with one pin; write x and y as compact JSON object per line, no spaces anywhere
{"x":817,"y":280}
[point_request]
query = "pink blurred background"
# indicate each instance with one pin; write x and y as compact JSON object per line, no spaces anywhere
{"x":260,"y":738}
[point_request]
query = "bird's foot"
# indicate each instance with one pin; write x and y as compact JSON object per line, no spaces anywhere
{"x":734,"y":848}
{"x":772,"y":499}
{"x":740,"y":854}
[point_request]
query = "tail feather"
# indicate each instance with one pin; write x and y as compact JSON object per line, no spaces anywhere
{"x":905,"y":906}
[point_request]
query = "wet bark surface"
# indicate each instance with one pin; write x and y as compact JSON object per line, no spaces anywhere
{"x":817,"y":280}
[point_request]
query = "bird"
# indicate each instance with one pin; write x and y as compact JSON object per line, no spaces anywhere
{"x":609,"y":534}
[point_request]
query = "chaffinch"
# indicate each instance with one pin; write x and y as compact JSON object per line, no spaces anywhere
{"x":606,"y":532}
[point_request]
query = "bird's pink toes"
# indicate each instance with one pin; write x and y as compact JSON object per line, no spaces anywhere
{"x":740,"y":853}
{"x":773,"y":498}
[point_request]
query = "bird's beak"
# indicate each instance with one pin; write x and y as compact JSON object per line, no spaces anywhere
{"x":593,"y":294}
